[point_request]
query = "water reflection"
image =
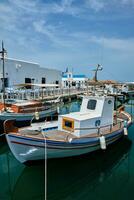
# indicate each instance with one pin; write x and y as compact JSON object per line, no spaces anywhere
{"x":76,"y":178}
{"x":30,"y":184}
{"x":18,"y":181}
{"x":100,"y":175}
{"x":71,"y":178}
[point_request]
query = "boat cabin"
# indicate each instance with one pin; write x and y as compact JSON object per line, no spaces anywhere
{"x":22,"y":106}
{"x":95,"y":111}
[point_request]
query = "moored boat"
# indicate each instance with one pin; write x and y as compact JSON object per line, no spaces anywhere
{"x":23,"y":111}
{"x":94,"y":127}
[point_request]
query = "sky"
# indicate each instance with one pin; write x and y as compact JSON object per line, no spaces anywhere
{"x":78,"y":34}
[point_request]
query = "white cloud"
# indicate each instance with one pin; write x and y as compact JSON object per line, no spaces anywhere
{"x":51,"y":32}
{"x":65,"y":4}
{"x":40,"y":7}
{"x":96,"y":5}
{"x":126,"y":45}
{"x":25,"y":5}
{"x":129,"y":2}
{"x":27,"y":23}
{"x":42,"y":27}
{"x":100,"y":5}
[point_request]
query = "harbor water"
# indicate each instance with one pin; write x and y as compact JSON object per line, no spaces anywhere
{"x":97,"y":176}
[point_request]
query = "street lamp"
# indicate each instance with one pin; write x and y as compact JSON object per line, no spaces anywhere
{"x":3,"y":53}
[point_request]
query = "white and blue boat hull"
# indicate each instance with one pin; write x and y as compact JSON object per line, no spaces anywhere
{"x":30,"y":149}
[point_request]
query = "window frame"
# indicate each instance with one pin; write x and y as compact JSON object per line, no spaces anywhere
{"x":92,"y":107}
{"x":64,"y":120}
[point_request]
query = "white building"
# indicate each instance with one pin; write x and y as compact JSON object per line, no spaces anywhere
{"x":71,"y":80}
{"x":19,"y":71}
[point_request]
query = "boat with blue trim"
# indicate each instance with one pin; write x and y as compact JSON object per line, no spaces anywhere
{"x":25,"y":111}
{"x":95,"y":127}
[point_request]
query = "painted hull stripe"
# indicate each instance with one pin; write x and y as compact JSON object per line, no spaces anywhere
{"x":57,"y":143}
{"x":69,"y":148}
{"x":27,"y":144}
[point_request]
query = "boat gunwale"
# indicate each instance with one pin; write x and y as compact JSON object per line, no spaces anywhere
{"x":37,"y":139}
{"x":68,"y":135}
{"x":74,"y":145}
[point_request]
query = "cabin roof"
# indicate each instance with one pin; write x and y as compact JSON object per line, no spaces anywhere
{"x":26,"y":103}
{"x":79,"y":116}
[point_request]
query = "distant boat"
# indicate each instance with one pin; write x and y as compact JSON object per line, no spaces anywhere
{"x":25,"y":111}
{"x":94,"y":127}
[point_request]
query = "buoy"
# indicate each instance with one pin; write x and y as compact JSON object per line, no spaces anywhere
{"x":36,"y":115}
{"x":125,"y":131}
{"x":58,"y":109}
{"x":70,"y":140}
{"x":102,"y":142}
{"x":125,"y":128}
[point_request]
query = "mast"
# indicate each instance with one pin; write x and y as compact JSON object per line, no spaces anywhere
{"x":3,"y":52}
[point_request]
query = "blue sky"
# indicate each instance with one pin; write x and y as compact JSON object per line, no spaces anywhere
{"x":77,"y":34}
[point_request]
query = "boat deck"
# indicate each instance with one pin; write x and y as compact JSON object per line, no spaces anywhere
{"x":64,"y":136}
{"x":50,"y":135}
{"x":57,"y":135}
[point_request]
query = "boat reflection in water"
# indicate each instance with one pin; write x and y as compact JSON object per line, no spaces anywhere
{"x":18,"y":181}
{"x":70,"y":178}
{"x":76,"y":178}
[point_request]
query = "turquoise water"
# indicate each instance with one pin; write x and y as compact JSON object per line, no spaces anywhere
{"x":96,"y":176}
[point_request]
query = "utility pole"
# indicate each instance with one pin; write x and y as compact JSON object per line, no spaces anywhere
{"x":3,"y":53}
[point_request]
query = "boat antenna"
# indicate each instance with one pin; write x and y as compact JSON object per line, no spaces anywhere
{"x":98,"y":68}
{"x":3,"y":52}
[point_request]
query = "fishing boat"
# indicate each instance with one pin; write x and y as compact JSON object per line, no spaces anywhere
{"x":23,"y":111}
{"x":95,"y":127}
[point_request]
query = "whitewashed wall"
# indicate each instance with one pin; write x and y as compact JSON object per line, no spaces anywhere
{"x":16,"y":71}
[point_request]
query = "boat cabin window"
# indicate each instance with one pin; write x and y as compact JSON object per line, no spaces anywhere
{"x":91,"y":104}
{"x":68,"y":124}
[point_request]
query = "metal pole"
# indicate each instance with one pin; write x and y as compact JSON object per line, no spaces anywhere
{"x":3,"y":72}
{"x":116,"y":107}
{"x":45,"y":169}
{"x":45,"y":198}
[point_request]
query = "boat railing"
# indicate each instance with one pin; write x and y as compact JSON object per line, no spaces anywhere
{"x":46,"y":93}
{"x":108,"y":128}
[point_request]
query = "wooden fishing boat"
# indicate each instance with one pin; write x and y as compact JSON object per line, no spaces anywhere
{"x":94,"y":127}
{"x":23,"y":111}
